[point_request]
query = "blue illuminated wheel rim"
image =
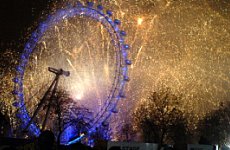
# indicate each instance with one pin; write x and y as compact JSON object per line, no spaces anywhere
{"x":122,"y":62}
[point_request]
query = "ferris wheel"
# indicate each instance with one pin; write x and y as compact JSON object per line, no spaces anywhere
{"x":120,"y":61}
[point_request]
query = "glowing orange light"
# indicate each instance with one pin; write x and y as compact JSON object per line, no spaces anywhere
{"x":139,"y":21}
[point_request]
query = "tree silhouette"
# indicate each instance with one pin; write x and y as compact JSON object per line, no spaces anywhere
{"x":215,"y":127}
{"x":101,"y":136}
{"x":159,"y":118}
{"x":72,"y":115}
{"x":127,"y":132}
{"x":4,"y":125}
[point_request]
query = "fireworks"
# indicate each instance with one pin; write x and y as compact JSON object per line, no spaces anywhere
{"x":179,"y":44}
{"x":80,"y":46}
{"x":105,"y":89}
{"x":182,"y":45}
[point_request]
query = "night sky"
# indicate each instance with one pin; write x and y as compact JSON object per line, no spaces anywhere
{"x":17,"y":16}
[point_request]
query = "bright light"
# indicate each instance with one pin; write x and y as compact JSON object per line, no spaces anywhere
{"x":139,"y":21}
{"x":132,"y":66}
{"x":82,"y":134}
{"x":79,"y":96}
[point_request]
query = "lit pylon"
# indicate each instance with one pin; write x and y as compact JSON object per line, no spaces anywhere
{"x":51,"y":91}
